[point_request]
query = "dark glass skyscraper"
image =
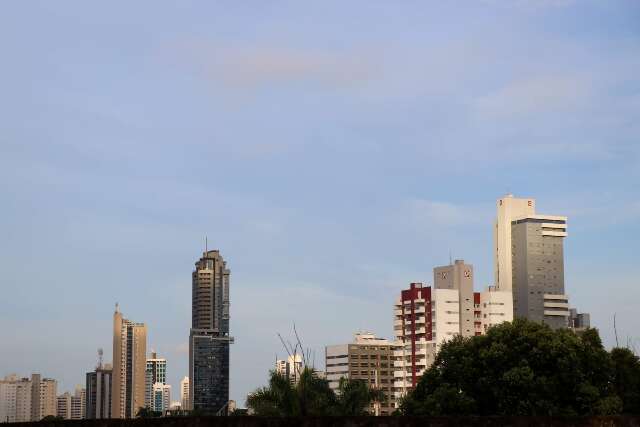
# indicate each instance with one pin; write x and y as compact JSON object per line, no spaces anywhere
{"x":209,"y":338}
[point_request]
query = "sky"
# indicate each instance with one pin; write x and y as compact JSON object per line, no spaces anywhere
{"x":333,"y":151}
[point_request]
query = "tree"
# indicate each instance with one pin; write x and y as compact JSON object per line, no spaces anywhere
{"x":518,"y":368}
{"x":626,"y":379}
{"x":311,"y":396}
{"x":50,"y":418}
{"x":146,"y":412}
{"x":355,"y":397}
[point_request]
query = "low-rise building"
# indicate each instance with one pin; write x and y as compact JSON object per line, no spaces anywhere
{"x":367,"y":358}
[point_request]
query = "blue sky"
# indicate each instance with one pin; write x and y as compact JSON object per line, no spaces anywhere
{"x":333,"y":151}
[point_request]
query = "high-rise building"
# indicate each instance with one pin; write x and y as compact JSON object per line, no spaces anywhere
{"x":529,"y":261}
{"x":156,"y":373}
{"x":161,"y":397}
{"x":425,"y":318}
{"x":209,"y":337}
{"x":98,"y":393}
{"x":459,"y":276}
{"x":290,"y":368}
{"x":129,"y":363}
{"x":184,"y":394}
{"x":367,"y":358}
{"x":509,"y":208}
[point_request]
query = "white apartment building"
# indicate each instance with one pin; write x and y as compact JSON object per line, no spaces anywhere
{"x":494,"y":307}
{"x":425,"y":318}
{"x":290,"y":368}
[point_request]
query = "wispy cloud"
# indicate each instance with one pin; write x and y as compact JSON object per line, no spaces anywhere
{"x":540,"y":94}
{"x":257,"y":67}
{"x":431,"y":214}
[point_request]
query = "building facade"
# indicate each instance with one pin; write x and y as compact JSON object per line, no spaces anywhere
{"x":529,"y":261}
{"x":43,"y":397}
{"x":161,"y":397}
{"x":98,"y":393}
{"x":425,"y":318}
{"x":492,"y":308}
{"x":71,"y":406}
{"x":209,"y":337}
{"x":184,"y":393}
{"x":15,"y":399}
{"x":156,"y":372}
{"x":538,"y":269}
{"x":291,"y":368}
{"x":459,"y":276}
{"x":508,"y":209}
{"x":368,"y":359}
{"x":129,"y":366}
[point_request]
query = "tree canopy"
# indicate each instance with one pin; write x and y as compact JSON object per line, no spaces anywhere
{"x":525,"y":368}
{"x":311,"y":396}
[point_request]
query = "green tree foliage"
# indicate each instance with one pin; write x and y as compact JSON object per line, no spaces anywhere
{"x":147,"y":413}
{"x":311,"y":396}
{"x":524,"y":368}
{"x":626,"y":379}
{"x":355,"y":396}
{"x":53,"y":418}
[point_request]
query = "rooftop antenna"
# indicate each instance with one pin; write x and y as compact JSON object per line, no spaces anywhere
{"x":206,"y":245}
{"x":450,"y":262}
{"x":100,"y":353}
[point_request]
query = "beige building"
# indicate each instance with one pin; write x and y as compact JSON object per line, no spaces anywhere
{"x":15,"y":399}
{"x":509,"y":209}
{"x":129,"y":366}
{"x":43,"y":397}
{"x":367,"y":358}
{"x":184,"y":394}
{"x":71,"y":406}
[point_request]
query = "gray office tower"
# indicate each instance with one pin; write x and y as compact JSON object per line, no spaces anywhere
{"x":98,"y":393}
{"x":459,"y":276}
{"x":538,"y":269}
{"x":209,"y":339}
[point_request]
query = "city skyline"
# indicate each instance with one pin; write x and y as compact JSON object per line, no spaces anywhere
{"x":333,"y":153}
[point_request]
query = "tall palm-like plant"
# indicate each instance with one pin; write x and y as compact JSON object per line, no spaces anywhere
{"x":355,"y":397}
{"x":311,"y":396}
